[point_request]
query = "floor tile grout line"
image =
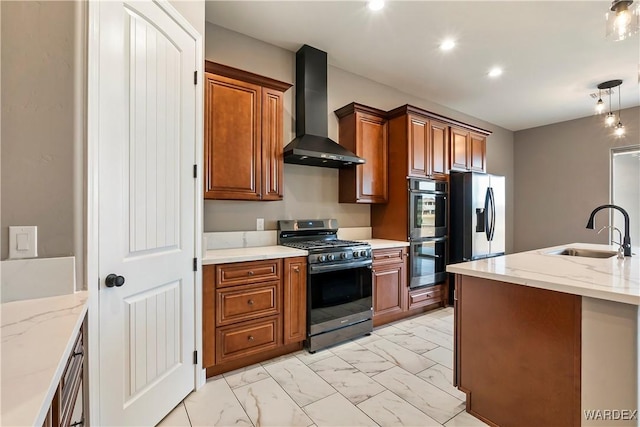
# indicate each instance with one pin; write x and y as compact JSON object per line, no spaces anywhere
{"x":291,"y":397}
{"x":418,"y":409}
{"x":186,"y":411}
{"x":238,"y":400}
{"x":464,"y":401}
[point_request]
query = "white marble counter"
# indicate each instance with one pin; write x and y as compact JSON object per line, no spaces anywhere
{"x":256,"y":253}
{"x":386,"y":244}
{"x":223,"y":256}
{"x":603,"y":278}
{"x":37,"y":339}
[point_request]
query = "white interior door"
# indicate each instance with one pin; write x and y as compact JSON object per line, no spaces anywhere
{"x":147,"y":104}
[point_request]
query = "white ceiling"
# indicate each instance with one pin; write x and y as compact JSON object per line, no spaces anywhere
{"x":554,"y":53}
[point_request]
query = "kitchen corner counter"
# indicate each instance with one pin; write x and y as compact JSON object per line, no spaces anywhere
{"x":607,"y":279}
{"x":37,"y":338}
{"x":386,"y":244}
{"x":224,"y":256}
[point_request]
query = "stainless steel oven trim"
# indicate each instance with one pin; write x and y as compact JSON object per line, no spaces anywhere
{"x":437,"y":231}
{"x":431,"y":279}
{"x":326,"y":268}
{"x":340,"y":322}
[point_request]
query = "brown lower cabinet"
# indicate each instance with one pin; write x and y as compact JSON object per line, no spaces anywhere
{"x":392,"y":298}
{"x":252,"y":311}
{"x":70,"y":402}
{"x":517,"y":353}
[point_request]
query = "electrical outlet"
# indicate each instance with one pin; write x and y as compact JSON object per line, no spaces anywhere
{"x":260,"y":224}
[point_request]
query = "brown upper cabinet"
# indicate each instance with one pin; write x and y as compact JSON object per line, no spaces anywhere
{"x":363,"y":131}
{"x":426,"y":140}
{"x":243,"y":135}
{"x":468,"y":150}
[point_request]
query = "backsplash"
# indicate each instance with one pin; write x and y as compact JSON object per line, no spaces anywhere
{"x":37,"y":278}
{"x":247,"y":239}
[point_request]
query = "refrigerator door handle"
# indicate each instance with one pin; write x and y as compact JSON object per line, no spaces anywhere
{"x":492,"y":201}
{"x":487,"y":207}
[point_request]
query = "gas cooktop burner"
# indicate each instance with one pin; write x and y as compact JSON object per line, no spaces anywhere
{"x":322,"y":244}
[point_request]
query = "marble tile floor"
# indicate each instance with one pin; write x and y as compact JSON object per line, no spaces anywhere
{"x":398,"y":376}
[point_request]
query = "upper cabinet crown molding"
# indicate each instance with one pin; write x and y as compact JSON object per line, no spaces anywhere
{"x":411,"y":110}
{"x":245,"y":76}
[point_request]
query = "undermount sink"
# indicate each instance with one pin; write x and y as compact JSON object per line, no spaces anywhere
{"x":587,"y":253}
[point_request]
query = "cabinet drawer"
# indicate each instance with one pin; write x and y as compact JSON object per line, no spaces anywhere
{"x":247,"y":302}
{"x":247,"y":338}
{"x":247,"y":272}
{"x":72,"y":373}
{"x":425,"y":296}
{"x":387,"y":256}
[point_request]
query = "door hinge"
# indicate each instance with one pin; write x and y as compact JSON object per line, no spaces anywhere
{"x":195,"y":357}
{"x":195,"y":77}
{"x":195,"y":264}
{"x":195,"y":171}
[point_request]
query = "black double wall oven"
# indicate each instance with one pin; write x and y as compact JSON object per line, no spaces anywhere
{"x":428,"y":215}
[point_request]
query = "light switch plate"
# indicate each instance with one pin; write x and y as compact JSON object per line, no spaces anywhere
{"x":23,"y":242}
{"x":259,"y":224}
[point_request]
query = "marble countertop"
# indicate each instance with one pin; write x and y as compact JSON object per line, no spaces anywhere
{"x":37,"y":338}
{"x":604,"y":278}
{"x":224,"y":256}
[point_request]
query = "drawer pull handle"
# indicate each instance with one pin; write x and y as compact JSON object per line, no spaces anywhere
{"x":388,"y":256}
{"x":250,"y":338}
{"x":421,"y":295}
{"x":250,"y":302}
{"x":250,"y":273}
{"x":78,"y":353}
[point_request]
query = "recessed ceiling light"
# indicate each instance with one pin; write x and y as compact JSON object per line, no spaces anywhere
{"x":447,"y":44}
{"x":495,"y":72}
{"x":376,"y":4}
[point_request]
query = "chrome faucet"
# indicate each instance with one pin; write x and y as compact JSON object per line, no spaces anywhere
{"x":619,"y":242}
{"x":626,"y":242}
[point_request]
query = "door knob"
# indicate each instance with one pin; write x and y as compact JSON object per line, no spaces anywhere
{"x":114,"y":280}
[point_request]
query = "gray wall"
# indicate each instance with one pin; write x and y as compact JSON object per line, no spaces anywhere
{"x":43,"y":123}
{"x":561,"y":174}
{"x":43,"y":57}
{"x":313,"y":192}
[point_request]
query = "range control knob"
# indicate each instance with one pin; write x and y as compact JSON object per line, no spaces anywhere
{"x":363,"y":253}
{"x":343,"y":255}
{"x":356,"y":254}
{"x":331,"y":257}
{"x":322,"y":258}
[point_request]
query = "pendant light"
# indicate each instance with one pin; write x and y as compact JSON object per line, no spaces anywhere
{"x":619,"y":129}
{"x":610,"y":118}
{"x":623,"y":19}
{"x":599,"y":104}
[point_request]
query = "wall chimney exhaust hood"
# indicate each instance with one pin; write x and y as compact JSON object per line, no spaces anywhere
{"x":312,"y":145}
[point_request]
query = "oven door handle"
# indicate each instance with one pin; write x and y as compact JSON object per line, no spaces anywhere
{"x":314,"y":269}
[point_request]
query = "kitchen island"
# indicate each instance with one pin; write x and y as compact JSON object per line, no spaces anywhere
{"x":549,"y":339}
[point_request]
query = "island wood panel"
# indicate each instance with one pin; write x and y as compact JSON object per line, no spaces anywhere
{"x":518,"y":353}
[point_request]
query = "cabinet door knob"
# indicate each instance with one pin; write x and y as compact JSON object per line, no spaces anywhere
{"x":296,"y":269}
{"x":250,"y":302}
{"x":114,"y":280}
{"x":250,"y":273}
{"x":250,"y":338}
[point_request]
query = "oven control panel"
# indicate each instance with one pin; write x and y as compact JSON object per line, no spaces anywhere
{"x":342,"y":255}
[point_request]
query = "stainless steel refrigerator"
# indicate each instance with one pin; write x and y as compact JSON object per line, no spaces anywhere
{"x":477,"y":227}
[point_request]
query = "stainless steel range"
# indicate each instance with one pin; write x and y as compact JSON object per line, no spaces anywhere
{"x":339,"y":282}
